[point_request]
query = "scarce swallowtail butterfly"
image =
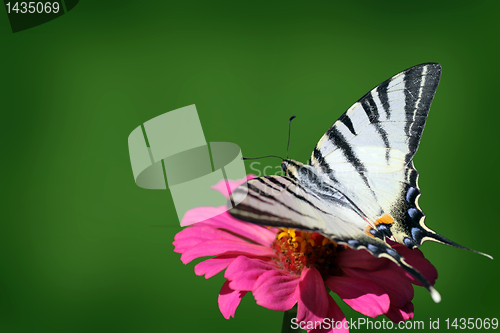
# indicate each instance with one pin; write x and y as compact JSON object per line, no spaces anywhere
{"x":360,"y":186}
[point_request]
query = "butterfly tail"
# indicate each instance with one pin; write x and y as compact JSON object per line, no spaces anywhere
{"x":436,"y":297}
{"x":435,"y":237}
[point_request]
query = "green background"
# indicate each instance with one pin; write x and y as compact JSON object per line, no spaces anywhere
{"x":83,"y":249}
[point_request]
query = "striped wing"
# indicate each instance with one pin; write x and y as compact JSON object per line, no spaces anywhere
{"x":368,"y":153}
{"x":284,"y":202}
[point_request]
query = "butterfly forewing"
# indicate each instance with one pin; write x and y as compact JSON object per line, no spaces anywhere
{"x":370,"y":148}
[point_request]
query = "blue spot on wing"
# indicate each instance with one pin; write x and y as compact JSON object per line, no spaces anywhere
{"x":392,"y":252}
{"x":412,"y":212}
{"x":415,"y":233}
{"x":353,"y":242}
{"x":411,"y":194}
{"x":373,"y":248}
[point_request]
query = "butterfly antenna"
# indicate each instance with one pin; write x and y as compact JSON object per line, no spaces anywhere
{"x":257,"y":158}
{"x":289,"y":130}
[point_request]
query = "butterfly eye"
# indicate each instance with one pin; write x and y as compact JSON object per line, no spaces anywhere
{"x":284,"y":167}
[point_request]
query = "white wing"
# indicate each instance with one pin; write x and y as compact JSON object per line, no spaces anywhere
{"x":368,"y":152}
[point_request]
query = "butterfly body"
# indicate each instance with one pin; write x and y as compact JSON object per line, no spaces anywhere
{"x":360,"y":186}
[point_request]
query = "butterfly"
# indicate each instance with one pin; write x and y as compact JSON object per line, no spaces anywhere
{"x":360,"y":186}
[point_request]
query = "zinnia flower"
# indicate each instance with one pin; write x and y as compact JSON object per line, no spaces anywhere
{"x":284,"y":267}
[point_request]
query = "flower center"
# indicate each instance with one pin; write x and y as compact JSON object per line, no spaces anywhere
{"x":299,"y":249}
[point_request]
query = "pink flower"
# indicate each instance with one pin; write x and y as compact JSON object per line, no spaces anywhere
{"x":284,"y":267}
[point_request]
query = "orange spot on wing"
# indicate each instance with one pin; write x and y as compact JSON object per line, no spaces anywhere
{"x":367,"y":231}
{"x":386,"y":219}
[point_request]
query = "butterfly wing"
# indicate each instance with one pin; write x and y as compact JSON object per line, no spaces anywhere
{"x":368,"y":151}
{"x":284,"y":202}
{"x":368,"y":154}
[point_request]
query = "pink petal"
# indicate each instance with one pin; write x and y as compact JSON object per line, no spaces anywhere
{"x":417,"y":260}
{"x":253,"y":232}
{"x":213,"y":266}
{"x":336,"y":313}
{"x":228,"y":247}
{"x":360,"y":259}
{"x":231,"y":185}
{"x":400,"y":314}
{"x":243,"y":272}
{"x":312,"y":297}
{"x":362,"y":295}
{"x":398,"y":288}
{"x":336,"y":320}
{"x":229,"y":300}
{"x":225,"y":221}
{"x":199,"y":233}
{"x":199,"y":214}
{"x":276,"y":290}
{"x":219,"y":228}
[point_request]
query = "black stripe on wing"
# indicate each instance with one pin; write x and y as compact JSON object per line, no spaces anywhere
{"x":296,"y":195}
{"x":328,"y":194}
{"x":340,"y":141}
{"x":263,"y":182}
{"x":381,"y":249}
{"x":325,"y":167}
{"x":413,"y":81}
{"x":348,"y":123}
{"x":384,"y":98}
{"x":420,"y":83}
{"x":371,"y":111}
{"x":273,"y":198}
{"x":251,"y":214}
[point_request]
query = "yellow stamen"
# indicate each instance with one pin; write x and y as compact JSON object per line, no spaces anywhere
{"x":282,"y":234}
{"x":299,"y":249}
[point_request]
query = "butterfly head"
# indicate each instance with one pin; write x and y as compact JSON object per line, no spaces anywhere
{"x":290,"y":166}
{"x":298,"y":171}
